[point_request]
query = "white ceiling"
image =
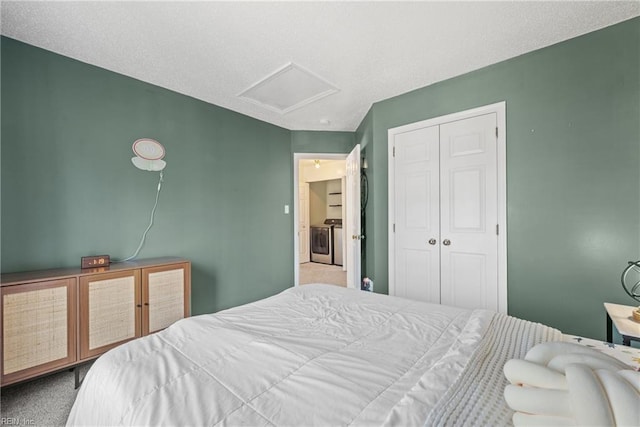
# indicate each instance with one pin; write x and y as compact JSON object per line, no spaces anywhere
{"x":370,"y":51}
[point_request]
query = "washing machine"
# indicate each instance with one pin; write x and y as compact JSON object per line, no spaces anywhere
{"x":322,"y":243}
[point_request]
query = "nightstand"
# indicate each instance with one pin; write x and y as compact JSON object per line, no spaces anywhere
{"x":620,"y":316}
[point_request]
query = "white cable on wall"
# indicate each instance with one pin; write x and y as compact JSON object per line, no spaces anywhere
{"x":144,"y":235}
{"x":148,"y":157}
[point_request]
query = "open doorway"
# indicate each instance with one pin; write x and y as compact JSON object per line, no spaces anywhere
{"x":319,"y":210}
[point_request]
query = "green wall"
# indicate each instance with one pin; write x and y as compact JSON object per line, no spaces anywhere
{"x":306,"y":141}
{"x":573,"y":171}
{"x":573,"y":155}
{"x":69,"y":188}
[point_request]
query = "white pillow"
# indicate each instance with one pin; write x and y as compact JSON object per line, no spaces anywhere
{"x":561,"y":383}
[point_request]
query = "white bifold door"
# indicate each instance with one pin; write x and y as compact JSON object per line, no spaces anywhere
{"x":445,"y":208}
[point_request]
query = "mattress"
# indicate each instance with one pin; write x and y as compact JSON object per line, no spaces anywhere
{"x":313,"y":355}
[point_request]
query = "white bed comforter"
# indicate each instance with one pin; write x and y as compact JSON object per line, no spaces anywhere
{"x":312,"y":355}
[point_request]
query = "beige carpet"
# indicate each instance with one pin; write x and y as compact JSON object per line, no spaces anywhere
{"x":314,"y":272}
{"x":43,"y":402}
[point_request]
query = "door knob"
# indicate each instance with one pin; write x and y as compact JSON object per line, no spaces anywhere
{"x":446,"y":242}
{"x":432,"y":241}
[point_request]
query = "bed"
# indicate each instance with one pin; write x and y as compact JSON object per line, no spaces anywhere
{"x":313,"y":355}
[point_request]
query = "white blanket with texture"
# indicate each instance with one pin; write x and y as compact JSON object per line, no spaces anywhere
{"x":312,"y":355}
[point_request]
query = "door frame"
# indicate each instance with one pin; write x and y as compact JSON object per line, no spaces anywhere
{"x":302,"y":190}
{"x":500,"y":108}
{"x":296,"y":202}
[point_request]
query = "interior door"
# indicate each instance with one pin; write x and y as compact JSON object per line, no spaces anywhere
{"x":417,"y":214}
{"x":353,"y":234}
{"x":469,"y":212}
{"x":303,"y":227}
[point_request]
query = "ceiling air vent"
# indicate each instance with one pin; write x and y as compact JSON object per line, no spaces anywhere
{"x":287,"y":89}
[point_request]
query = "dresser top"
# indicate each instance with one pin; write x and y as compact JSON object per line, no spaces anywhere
{"x":9,"y":279}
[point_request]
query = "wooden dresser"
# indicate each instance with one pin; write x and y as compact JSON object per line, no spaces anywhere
{"x":60,"y":318}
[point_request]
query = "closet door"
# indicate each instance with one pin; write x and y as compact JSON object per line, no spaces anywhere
{"x":417,"y":234}
{"x":469,"y":213}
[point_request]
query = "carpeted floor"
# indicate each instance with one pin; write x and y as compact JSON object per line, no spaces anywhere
{"x":45,"y":401}
{"x":314,"y":272}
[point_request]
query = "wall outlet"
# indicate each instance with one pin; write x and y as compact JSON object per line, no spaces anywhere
{"x":286,"y":209}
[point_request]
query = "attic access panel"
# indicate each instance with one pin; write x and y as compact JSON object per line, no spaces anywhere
{"x":288,"y":89}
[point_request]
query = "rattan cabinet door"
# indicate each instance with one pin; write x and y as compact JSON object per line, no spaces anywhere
{"x":110,"y":311}
{"x":165,"y":295}
{"x":38,"y":328}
